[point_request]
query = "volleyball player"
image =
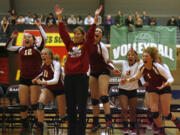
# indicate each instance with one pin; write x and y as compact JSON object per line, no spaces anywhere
{"x":128,"y":91}
{"x":159,"y":81}
{"x":99,"y":80}
{"x":54,"y":86}
{"x":30,"y":67}
{"x":76,"y":67}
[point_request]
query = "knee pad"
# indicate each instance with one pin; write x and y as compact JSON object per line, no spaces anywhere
{"x":104,"y":99}
{"x":34,"y":106}
{"x":155,"y":115}
{"x":169,"y":116}
{"x":24,"y":108}
{"x":94,"y":101}
{"x":40,"y":106}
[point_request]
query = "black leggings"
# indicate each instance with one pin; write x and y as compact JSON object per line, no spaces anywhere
{"x":76,"y":91}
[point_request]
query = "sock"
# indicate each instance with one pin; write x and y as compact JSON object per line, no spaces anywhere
{"x":108,"y":117}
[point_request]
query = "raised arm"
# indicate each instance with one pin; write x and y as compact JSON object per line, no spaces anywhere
{"x":9,"y":43}
{"x":62,"y":28}
{"x":43,"y":35}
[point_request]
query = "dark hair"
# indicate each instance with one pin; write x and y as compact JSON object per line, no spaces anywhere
{"x":101,"y":28}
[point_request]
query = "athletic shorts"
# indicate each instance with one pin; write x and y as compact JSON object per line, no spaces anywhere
{"x":128,"y":93}
{"x":96,"y":75}
{"x":57,"y":93}
{"x":27,"y":82}
{"x":163,"y":91}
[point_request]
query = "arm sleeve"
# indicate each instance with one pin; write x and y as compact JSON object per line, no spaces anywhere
{"x":163,"y":71}
{"x":105,"y":53}
{"x":9,"y":46}
{"x":56,"y":75}
{"x":64,"y":34}
{"x":118,"y":62}
{"x":44,"y":39}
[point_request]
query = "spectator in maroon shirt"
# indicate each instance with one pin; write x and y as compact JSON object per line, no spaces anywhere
{"x":30,"y":67}
{"x":76,"y":68}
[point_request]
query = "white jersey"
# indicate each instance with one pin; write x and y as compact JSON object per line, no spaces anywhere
{"x":127,"y":72}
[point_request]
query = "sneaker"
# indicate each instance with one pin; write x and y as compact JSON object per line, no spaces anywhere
{"x":42,"y":131}
{"x":156,"y":131}
{"x":95,"y":127}
{"x":126,"y":131}
{"x":149,"y":126}
{"x":133,"y":132}
{"x":109,"y":124}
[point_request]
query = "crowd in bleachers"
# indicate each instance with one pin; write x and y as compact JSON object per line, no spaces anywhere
{"x":130,"y":20}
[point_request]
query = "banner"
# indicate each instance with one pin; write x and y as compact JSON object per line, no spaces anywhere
{"x":162,"y":37}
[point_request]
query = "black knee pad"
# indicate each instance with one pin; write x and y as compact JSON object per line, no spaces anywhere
{"x":155,"y":115}
{"x":94,"y":101}
{"x":34,"y":106}
{"x":24,"y":108}
{"x":104,"y":99}
{"x":169,"y":116}
{"x":40,"y":106}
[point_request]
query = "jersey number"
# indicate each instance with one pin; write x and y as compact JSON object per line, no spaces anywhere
{"x":28,"y":52}
{"x":45,"y":74}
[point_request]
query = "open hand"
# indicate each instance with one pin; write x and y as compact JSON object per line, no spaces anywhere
{"x":14,"y":34}
{"x":58,"y":10}
{"x":98,"y":11}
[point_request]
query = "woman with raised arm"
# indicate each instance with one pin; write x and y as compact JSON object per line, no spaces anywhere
{"x":128,"y":91}
{"x":99,"y":80}
{"x":76,"y":68}
{"x":159,"y":81}
{"x":54,"y":86}
{"x":30,"y":67}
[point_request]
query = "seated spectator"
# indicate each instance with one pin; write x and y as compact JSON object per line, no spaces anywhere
{"x":20,"y":20}
{"x":89,"y":20}
{"x":119,"y":19}
{"x":129,"y":22}
{"x":172,"y":22}
{"x":153,"y":21}
{"x":64,"y":19}
{"x":99,"y":20}
{"x":138,"y":21}
{"x":13,"y":17}
{"x":71,"y":20}
{"x":145,"y":18}
{"x":29,"y":19}
{"x":79,"y":20}
{"x":4,"y":25}
{"x":178,"y":21}
{"x":107,"y":25}
{"x":42,"y":19}
{"x":35,"y":17}
{"x":50,"y":20}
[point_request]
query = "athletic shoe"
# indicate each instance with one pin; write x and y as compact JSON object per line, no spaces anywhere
{"x":126,"y":131}
{"x":133,"y":132}
{"x":95,"y":127}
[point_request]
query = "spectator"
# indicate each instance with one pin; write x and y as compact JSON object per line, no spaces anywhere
{"x":172,"y":22}
{"x":35,"y":17}
{"x":64,"y":19}
{"x":119,"y":19}
{"x":79,"y":20}
{"x":13,"y":17}
{"x":89,"y":20}
{"x":153,"y":21}
{"x":71,"y":20}
{"x":4,"y":25}
{"x":178,"y":21}
{"x":129,"y":22}
{"x":138,"y":21}
{"x":99,"y":20}
{"x":29,"y":19}
{"x":50,"y":20}
{"x":145,"y":18}
{"x":20,"y":20}
{"x":107,"y":25}
{"x":42,"y":19}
